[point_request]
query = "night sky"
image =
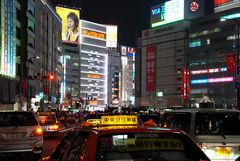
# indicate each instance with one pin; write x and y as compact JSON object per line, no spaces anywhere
{"x":131,"y":16}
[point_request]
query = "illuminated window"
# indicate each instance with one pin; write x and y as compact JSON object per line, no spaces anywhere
{"x":31,"y":9}
{"x":31,"y":25}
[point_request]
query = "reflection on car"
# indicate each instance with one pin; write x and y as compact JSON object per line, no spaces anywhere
{"x":20,"y":133}
{"x":121,"y":138}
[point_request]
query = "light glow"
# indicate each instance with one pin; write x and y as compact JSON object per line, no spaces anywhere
{"x":212,"y":80}
{"x":168,"y":12}
{"x":204,"y":71}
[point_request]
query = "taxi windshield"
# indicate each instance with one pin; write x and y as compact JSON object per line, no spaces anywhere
{"x":146,"y":147}
{"x":227,"y":123}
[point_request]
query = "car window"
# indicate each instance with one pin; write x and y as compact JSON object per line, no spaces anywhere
{"x":224,"y":123}
{"x":148,"y":146}
{"x":62,"y":149}
{"x":17,"y":119}
{"x":46,"y":118}
{"x":181,"y":120}
{"x":77,"y":147}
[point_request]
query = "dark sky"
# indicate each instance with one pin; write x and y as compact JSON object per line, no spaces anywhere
{"x":131,"y":16}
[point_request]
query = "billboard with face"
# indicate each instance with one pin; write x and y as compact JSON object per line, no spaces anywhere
{"x":70,"y":24}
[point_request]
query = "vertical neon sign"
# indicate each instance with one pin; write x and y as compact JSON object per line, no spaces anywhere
{"x":8,"y":39}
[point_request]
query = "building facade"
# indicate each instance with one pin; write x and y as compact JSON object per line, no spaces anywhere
{"x":212,"y":58}
{"x":114,"y":69}
{"x":127,"y":77}
{"x":93,"y":65}
{"x":162,"y":64}
{"x":9,"y":55}
{"x":30,"y":31}
{"x":70,"y":86}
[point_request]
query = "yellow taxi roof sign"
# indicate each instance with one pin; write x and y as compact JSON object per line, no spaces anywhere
{"x":119,"y":120}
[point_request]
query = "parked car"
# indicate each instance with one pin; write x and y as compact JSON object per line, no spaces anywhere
{"x":49,"y":123}
{"x":121,"y":138}
{"x":216,"y":131}
{"x":20,"y":133}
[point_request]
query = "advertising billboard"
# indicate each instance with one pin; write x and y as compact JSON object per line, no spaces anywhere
{"x":70,"y":24}
{"x":112,"y":36}
{"x":222,"y":5}
{"x":8,"y":39}
{"x":168,"y":12}
{"x":150,"y":68}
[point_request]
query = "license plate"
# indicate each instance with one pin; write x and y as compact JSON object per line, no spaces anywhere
{"x":12,"y":136}
{"x":224,"y":151}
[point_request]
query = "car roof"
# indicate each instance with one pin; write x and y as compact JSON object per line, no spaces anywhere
{"x":200,"y":110}
{"x":129,"y":129}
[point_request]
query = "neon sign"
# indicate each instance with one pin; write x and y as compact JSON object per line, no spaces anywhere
{"x":94,"y":34}
{"x":212,"y":80}
{"x":94,"y":76}
{"x":204,"y":71}
{"x":8,"y":40}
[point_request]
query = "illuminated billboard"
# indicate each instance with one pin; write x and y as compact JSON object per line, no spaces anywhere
{"x":70,"y":24}
{"x":112,"y":36}
{"x":218,"y":3}
{"x":168,"y":12}
{"x":222,"y":5}
{"x":8,"y":39}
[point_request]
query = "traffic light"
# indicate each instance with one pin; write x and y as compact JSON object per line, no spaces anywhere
{"x":50,"y":77}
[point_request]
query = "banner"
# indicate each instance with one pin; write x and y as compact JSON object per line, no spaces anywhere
{"x":231,"y":63}
{"x":150,"y":68}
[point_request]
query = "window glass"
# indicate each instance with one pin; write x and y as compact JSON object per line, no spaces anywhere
{"x":62,"y":149}
{"x":177,"y":120}
{"x":77,"y":147}
{"x":17,"y":119}
{"x":148,"y":147}
{"x":31,"y":9}
{"x":31,"y":25}
{"x":225,"y":123}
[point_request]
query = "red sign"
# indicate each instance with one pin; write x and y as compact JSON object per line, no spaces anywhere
{"x":194,"y":6}
{"x":231,"y":63}
{"x":185,"y":87}
{"x":220,"y":2}
{"x":150,"y":68}
{"x":45,"y":90}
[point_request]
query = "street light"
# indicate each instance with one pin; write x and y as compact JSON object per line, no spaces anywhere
{"x":236,"y":23}
{"x":29,"y":60}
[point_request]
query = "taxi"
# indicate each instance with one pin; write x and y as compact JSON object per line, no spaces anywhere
{"x":121,"y":138}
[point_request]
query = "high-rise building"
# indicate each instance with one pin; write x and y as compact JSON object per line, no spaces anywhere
{"x":93,"y":65}
{"x":212,"y":58}
{"x":127,"y":76}
{"x":29,"y":51}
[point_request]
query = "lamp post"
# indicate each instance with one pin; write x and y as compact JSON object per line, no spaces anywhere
{"x":236,"y":23}
{"x":29,"y":60}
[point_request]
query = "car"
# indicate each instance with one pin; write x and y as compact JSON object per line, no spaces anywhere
{"x":121,"y":138}
{"x":215,"y":130}
{"x":49,"y":123}
{"x":20,"y":133}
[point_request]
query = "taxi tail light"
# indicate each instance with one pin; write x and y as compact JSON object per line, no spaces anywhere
{"x":54,"y":127}
{"x":37,"y":132}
